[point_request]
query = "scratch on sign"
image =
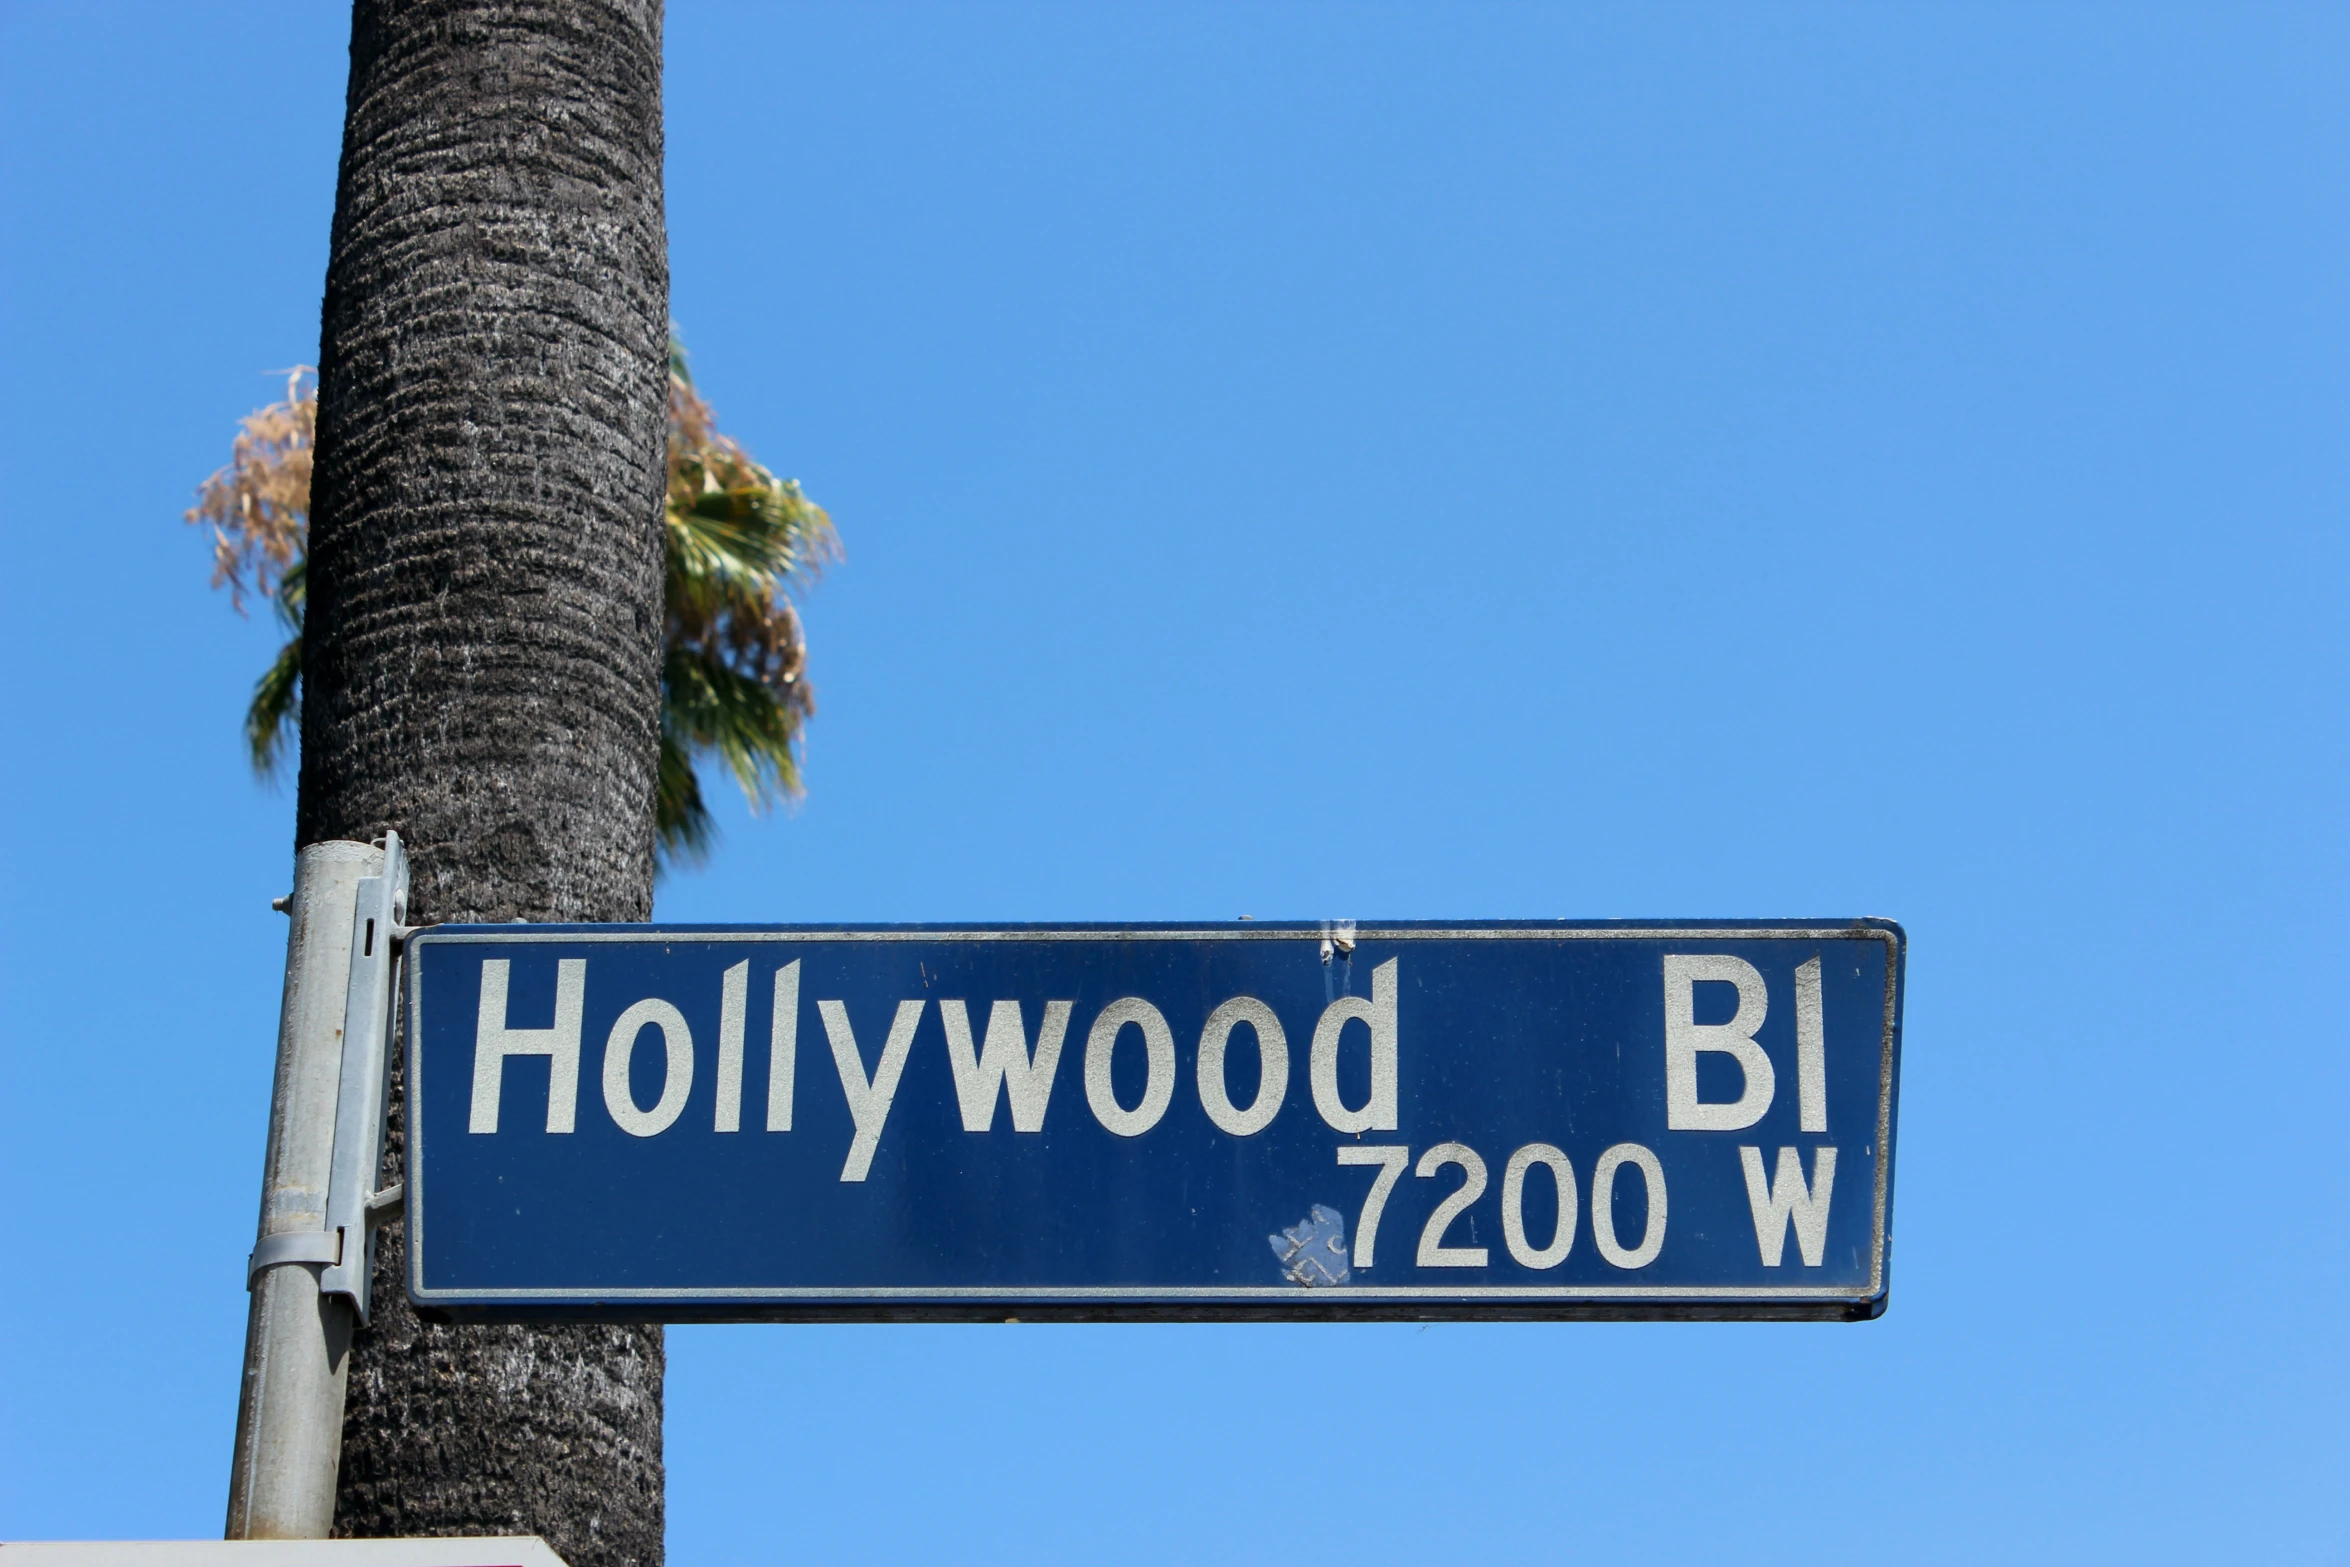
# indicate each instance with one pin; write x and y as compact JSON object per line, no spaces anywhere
{"x":1313,"y":1250}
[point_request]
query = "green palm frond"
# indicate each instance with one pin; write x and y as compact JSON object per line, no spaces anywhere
{"x":274,"y":720}
{"x":684,"y":829}
{"x":711,"y":706}
{"x":754,"y":530}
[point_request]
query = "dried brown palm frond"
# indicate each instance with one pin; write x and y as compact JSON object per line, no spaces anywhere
{"x":258,"y":507}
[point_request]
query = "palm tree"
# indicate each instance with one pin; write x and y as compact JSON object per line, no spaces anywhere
{"x":483,"y":650}
{"x":737,"y":544}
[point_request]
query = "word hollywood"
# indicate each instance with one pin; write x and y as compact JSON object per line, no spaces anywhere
{"x":830,"y":1122}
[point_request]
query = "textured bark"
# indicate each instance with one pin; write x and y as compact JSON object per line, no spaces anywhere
{"x":482,"y":646}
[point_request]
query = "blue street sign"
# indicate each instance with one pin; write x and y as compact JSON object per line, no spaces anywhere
{"x":1257,"y":1120}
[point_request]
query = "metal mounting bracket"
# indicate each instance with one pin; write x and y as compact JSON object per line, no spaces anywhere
{"x":293,"y":1246}
{"x":354,"y":1207}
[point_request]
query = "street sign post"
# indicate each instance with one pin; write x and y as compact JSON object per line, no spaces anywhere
{"x":1549,"y":1119}
{"x":308,"y":1270}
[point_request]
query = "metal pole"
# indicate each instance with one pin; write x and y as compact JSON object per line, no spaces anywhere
{"x":297,"y":1340}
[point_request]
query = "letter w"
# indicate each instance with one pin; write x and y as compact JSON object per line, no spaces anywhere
{"x":1004,"y":1062}
{"x":1786,"y":1198}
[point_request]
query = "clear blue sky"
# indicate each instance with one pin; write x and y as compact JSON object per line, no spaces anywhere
{"x":1329,"y":461}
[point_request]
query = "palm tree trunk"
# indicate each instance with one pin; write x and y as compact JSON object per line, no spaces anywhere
{"x":483,"y":641}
